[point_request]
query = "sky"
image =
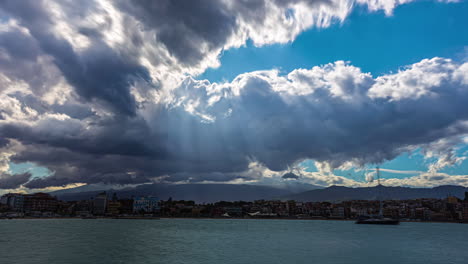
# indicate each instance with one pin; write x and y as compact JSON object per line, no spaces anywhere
{"x":282,"y":92}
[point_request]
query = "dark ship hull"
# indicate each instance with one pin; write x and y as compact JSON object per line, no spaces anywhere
{"x":378,"y":221}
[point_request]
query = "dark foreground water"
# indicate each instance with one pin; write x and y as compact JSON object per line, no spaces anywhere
{"x":229,"y":241}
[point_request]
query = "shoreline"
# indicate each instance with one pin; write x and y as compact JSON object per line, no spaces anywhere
{"x":208,"y":218}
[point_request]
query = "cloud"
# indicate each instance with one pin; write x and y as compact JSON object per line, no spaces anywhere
{"x":428,"y":180}
{"x":444,"y":151}
{"x":401,"y":171}
{"x":370,"y":176}
{"x":8,"y":181}
{"x":327,"y":113}
{"x":104,"y":92}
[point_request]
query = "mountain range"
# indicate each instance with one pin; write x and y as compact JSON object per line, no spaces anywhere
{"x":200,"y":193}
{"x":207,"y":193}
{"x":341,"y":193}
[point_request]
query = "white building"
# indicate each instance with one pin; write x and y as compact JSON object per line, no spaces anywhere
{"x":148,"y":204}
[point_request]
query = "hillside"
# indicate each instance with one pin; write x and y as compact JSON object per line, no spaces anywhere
{"x":340,"y":193}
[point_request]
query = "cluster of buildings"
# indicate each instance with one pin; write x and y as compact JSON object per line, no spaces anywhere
{"x":17,"y":203}
{"x":450,"y":209}
{"x":44,"y":205}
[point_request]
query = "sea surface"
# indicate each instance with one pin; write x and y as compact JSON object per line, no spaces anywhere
{"x":227,"y":241}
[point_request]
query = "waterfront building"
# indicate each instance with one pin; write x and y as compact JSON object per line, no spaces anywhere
{"x":338,"y":212}
{"x":291,"y":207}
{"x":113,"y":206}
{"x":126,"y":206}
{"x":65,"y":208}
{"x":233,"y":211}
{"x":465,"y":208}
{"x":146,"y":204}
{"x":83,"y":208}
{"x":100,"y":203}
{"x":4,"y":198}
{"x":13,"y":201}
{"x":452,"y":200}
{"x":40,"y":202}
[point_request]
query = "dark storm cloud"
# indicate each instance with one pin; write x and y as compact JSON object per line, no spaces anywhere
{"x":117,"y":178}
{"x":72,"y":109}
{"x":191,"y":29}
{"x":72,"y":167}
{"x":8,"y":181}
{"x":183,"y":26}
{"x":4,"y":142}
{"x":119,"y":136}
{"x":290,"y":175}
{"x":201,"y":177}
{"x":98,"y":72}
{"x":19,"y":45}
{"x":22,"y":62}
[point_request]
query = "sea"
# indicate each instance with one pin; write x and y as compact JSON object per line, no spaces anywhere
{"x":225,"y":241}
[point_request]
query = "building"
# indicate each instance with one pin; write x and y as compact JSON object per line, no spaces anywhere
{"x":452,"y":200}
{"x":338,"y":212}
{"x":83,"y":208}
{"x":100,"y":204}
{"x":14,"y":201}
{"x":148,"y":204}
{"x":126,"y":206}
{"x":465,"y":208}
{"x":40,"y":202}
{"x":113,"y":206}
{"x":234,"y":211}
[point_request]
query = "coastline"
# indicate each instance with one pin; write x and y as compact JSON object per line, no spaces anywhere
{"x":209,"y":218}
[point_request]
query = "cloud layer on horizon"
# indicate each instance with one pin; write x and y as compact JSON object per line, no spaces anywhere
{"x":104,"y":92}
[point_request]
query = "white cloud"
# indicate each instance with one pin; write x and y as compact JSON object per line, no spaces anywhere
{"x":445,"y":153}
{"x":401,"y":171}
{"x":420,"y":79}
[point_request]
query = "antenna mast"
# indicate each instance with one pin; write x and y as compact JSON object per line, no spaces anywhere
{"x":378,"y":174}
{"x":380,"y":199}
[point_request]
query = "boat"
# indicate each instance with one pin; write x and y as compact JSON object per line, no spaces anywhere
{"x":88,"y":217}
{"x":137,"y":217}
{"x":379,"y":219}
